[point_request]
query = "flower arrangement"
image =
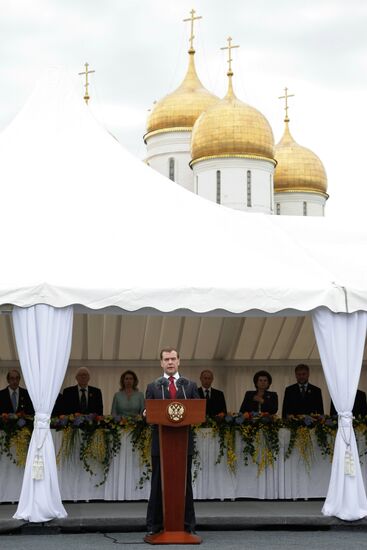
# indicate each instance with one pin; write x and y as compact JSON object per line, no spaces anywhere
{"x":301,"y":428}
{"x":15,"y":435}
{"x":141,"y":440}
{"x":99,"y":438}
{"x":259,"y":435}
{"x":360,"y":427}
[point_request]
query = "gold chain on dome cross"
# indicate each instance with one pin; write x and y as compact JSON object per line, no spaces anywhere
{"x":285,"y":97}
{"x":86,"y":85}
{"x":229,"y":48}
{"x":192,"y":19}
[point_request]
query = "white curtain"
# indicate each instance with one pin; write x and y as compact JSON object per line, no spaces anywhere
{"x":340,"y":338}
{"x":43,"y":336}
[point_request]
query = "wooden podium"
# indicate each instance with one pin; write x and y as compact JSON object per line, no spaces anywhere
{"x":174,"y":417}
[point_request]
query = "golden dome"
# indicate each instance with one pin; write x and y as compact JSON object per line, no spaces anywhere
{"x":298,"y":168}
{"x":180,"y":109}
{"x":230,"y":128}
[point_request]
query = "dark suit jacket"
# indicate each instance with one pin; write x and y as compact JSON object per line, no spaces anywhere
{"x":71,"y":401}
{"x":270,"y":404}
{"x":59,"y":406}
{"x":293,"y":403}
{"x":216,"y":403}
{"x":359,"y":407}
{"x":24,"y":403}
{"x":154,"y":391}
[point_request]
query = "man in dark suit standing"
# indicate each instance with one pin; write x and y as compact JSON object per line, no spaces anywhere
{"x":82,"y":398}
{"x":169,"y":386}
{"x":215,"y":400}
{"x":15,"y":399}
{"x":302,"y":397}
{"x":359,"y":407}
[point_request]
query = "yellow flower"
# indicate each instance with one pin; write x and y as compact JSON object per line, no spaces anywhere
{"x":304,"y":445}
{"x":20,"y":440}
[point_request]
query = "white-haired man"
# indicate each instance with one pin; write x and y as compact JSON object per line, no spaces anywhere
{"x":82,"y":398}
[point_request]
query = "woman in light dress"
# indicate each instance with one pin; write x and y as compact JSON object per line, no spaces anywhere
{"x":129,"y":401}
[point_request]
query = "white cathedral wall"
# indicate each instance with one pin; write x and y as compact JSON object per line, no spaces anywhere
{"x":299,"y":204}
{"x":233,"y":183}
{"x":171,"y":145}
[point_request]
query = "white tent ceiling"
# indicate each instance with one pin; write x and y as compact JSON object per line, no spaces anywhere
{"x":112,"y":340}
{"x":86,"y":223}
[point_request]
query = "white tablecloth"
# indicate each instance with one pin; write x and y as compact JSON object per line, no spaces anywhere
{"x":288,"y":479}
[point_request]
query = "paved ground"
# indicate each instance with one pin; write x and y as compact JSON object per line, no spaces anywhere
{"x":230,"y":540}
{"x":240,"y":524}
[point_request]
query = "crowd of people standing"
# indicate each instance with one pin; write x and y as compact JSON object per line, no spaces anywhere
{"x":302,"y":397}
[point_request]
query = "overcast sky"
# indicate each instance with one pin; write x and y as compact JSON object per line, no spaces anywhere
{"x":138,"y":48}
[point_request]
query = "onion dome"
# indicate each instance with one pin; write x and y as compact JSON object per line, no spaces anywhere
{"x":298,"y":168}
{"x":231,"y":128}
{"x":179,"y":110}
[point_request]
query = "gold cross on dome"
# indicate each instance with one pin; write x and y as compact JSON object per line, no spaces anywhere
{"x":229,"y":48}
{"x":86,"y":72}
{"x":192,"y":19}
{"x":286,"y":96}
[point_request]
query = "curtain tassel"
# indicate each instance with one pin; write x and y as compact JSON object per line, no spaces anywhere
{"x":38,"y":468}
{"x":349,"y":466}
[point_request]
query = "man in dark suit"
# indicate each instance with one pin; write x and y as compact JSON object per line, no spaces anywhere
{"x":82,"y":398}
{"x":169,"y":386}
{"x":302,"y":397}
{"x":15,"y":399}
{"x":359,"y":407}
{"x":215,"y":400}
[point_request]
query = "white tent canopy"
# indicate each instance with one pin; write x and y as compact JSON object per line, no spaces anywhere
{"x":88,"y":225}
{"x":92,"y":225}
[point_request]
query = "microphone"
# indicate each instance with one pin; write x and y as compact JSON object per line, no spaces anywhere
{"x":181,"y":383}
{"x":162,"y":383}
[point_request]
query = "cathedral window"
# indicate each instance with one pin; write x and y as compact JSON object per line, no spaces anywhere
{"x":305,"y":208}
{"x":249,"y":198}
{"x":278,"y":209}
{"x":171,"y":169}
{"x":218,"y":186}
{"x":271,"y":194}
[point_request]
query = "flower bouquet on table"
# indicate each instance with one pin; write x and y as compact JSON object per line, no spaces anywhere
{"x":224,"y":427}
{"x":360,"y":428}
{"x":259,"y":433}
{"x":15,"y":435}
{"x":302,"y":427}
{"x":99,"y":438}
{"x":141,"y":441}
